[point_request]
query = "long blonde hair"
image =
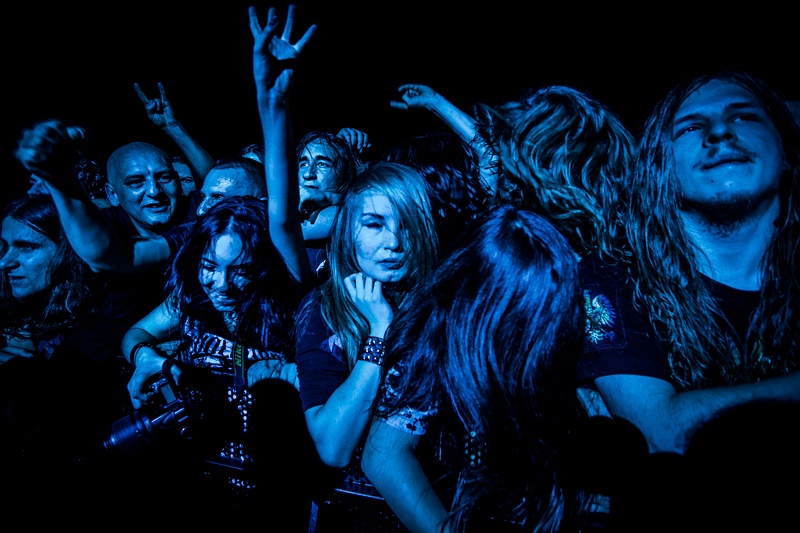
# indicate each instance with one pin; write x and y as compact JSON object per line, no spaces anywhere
{"x":408,"y":192}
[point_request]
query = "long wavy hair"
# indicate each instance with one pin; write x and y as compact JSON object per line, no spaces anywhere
{"x":409,"y":194}
{"x":496,"y":332}
{"x":566,"y":155}
{"x":266,"y":310}
{"x":669,"y":284}
{"x":453,"y":171}
{"x":71,"y":283}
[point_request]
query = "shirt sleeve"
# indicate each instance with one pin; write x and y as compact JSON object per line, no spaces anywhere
{"x":619,"y":338}
{"x":321,"y":367}
{"x":410,"y":419}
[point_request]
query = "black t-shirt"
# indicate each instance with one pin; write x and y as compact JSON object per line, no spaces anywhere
{"x":143,"y":291}
{"x":621,"y":340}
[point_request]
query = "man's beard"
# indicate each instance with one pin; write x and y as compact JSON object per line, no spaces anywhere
{"x":722,"y":216}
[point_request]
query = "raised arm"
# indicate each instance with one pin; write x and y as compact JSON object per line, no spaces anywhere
{"x":51,"y":150}
{"x":423,"y":97}
{"x":273,"y":64}
{"x":160,"y":112}
{"x":667,"y":417}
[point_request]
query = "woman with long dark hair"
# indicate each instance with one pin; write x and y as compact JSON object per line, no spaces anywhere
{"x":485,"y":358}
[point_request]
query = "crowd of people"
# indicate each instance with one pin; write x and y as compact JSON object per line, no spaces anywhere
{"x":529,"y":319}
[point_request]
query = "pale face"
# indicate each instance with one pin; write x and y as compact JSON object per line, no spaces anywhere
{"x":224,"y":272}
{"x":379,"y":246}
{"x":148,"y":190}
{"x":222,"y":184}
{"x":185,"y":176}
{"x":316,"y":175}
{"x":727,"y":150}
{"x":26,"y":259}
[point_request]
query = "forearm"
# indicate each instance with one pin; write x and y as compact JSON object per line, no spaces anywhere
{"x":284,"y":192}
{"x":197,"y":156}
{"x":667,"y":419}
{"x":337,"y":427}
{"x":466,"y":128}
{"x":134,"y":336}
{"x":282,"y":187}
{"x":88,"y":232}
{"x":319,"y":228}
{"x":391,"y":465}
{"x":457,"y":120}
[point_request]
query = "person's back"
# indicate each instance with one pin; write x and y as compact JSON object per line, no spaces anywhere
{"x":483,"y":373}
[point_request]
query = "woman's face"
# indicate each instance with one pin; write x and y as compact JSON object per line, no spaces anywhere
{"x":225,"y":271}
{"x":26,"y":258}
{"x":379,"y":245}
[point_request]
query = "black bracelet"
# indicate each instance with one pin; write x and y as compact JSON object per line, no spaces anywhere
{"x":136,"y":348}
{"x":373,"y":351}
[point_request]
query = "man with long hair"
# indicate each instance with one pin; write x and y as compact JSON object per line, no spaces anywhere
{"x":708,"y":316}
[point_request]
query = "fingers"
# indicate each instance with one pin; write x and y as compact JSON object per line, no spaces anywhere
{"x":355,"y":138}
{"x":255,"y":26}
{"x":271,"y":369}
{"x":306,"y":37}
{"x":350,"y":285}
{"x":289,"y":373}
{"x":9,"y":352}
{"x":362,"y":287}
{"x":76,"y":133}
{"x":263,"y":35}
{"x":141,"y":94}
{"x":163,"y":94}
{"x":287,"y":28}
{"x":152,"y":106}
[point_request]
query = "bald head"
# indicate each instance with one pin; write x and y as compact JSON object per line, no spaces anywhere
{"x":236,"y":177}
{"x":132,"y":153}
{"x":142,"y":181}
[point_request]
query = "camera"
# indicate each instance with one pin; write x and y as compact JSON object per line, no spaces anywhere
{"x":170,"y":416}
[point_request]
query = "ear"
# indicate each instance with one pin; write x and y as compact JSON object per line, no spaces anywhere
{"x":112,"y":195}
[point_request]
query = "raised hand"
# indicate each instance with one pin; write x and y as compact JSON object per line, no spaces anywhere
{"x":367,"y":295}
{"x":272,"y":55}
{"x":415,"y":96}
{"x":355,"y":138}
{"x":51,"y":149}
{"x":159,"y":110}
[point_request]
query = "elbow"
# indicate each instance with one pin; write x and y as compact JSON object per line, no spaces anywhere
{"x":334,"y":458}
{"x":332,"y":452}
{"x":666,"y":444}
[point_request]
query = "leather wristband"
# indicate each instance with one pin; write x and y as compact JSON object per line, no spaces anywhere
{"x":136,"y":348}
{"x":372,"y":351}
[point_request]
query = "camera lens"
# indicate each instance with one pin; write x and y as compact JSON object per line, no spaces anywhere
{"x":129,"y":434}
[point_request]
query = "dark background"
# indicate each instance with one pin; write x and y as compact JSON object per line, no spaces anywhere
{"x":78,"y":61}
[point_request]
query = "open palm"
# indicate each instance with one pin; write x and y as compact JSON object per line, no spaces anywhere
{"x":273,"y":56}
